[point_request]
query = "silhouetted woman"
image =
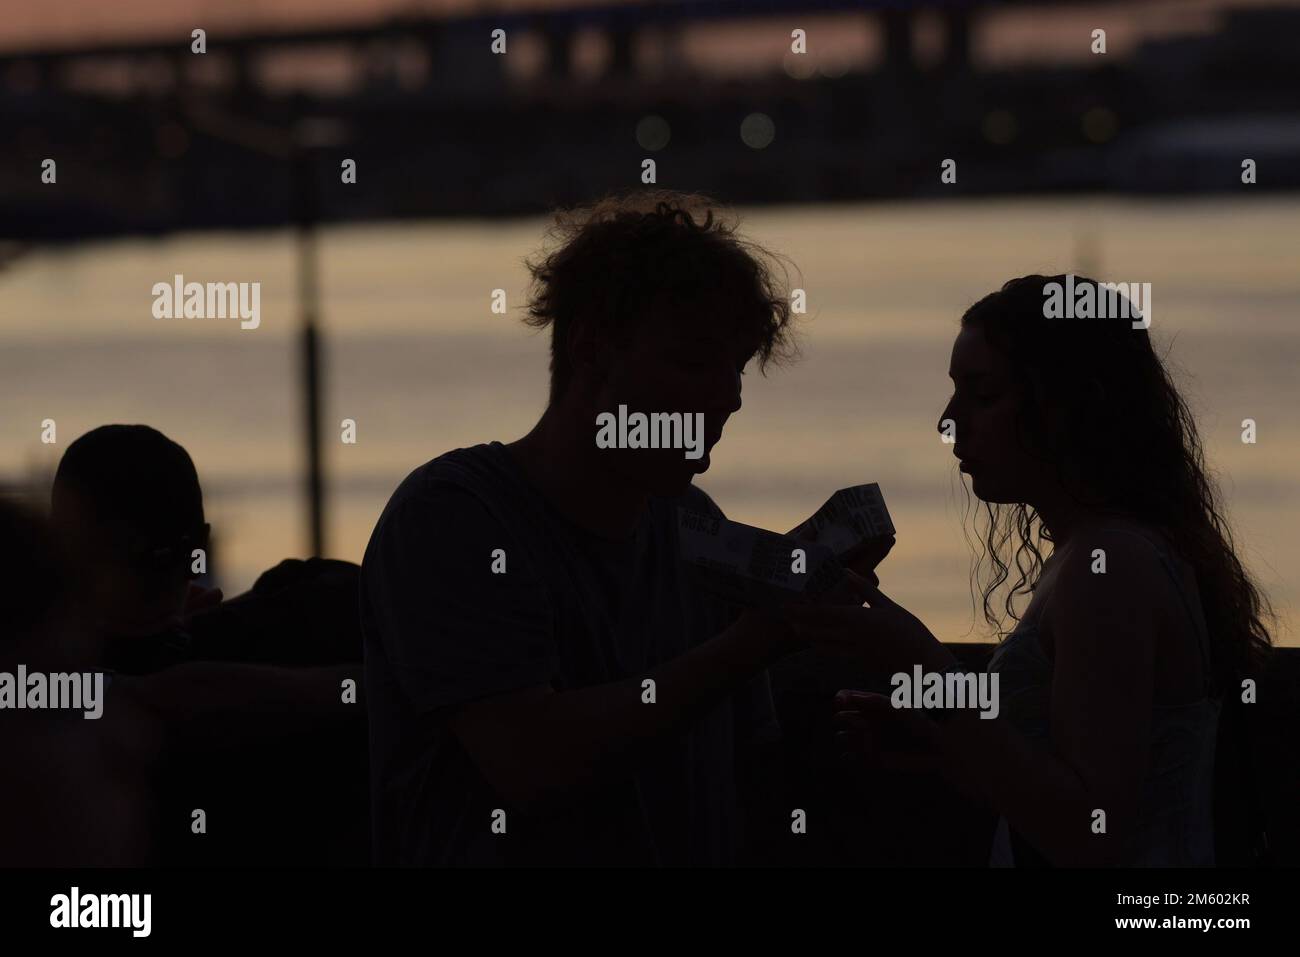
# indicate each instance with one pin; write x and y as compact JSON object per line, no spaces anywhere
{"x":1140,"y":619}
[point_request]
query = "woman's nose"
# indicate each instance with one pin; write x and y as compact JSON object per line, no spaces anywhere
{"x":947,"y":419}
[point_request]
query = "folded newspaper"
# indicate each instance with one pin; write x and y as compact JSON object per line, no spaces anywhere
{"x":851,"y":517}
{"x":752,"y":566}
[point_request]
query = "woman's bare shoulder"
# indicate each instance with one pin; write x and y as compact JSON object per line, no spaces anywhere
{"x":1112,"y":571}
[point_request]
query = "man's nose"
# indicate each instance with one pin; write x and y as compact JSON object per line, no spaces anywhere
{"x":723,"y":392}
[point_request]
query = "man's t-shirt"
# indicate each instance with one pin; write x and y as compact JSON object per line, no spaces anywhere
{"x":473,"y":586}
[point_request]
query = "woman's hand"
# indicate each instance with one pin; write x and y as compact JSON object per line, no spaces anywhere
{"x":881,"y":635}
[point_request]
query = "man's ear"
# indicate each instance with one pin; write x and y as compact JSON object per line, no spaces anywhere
{"x":589,"y":356}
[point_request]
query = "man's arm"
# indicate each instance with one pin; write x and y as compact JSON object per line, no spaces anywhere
{"x":232,"y":702}
{"x":480,"y":649}
{"x":537,"y":745}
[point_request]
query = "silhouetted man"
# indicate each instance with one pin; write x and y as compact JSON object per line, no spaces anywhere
{"x":250,"y":692}
{"x":128,"y":497}
{"x":128,"y":501}
{"x":545,"y":684}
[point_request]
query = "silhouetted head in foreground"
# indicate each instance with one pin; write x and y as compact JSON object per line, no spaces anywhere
{"x":1059,"y":414}
{"x":35,"y":584}
{"x":129,"y":498}
{"x":655,"y":303}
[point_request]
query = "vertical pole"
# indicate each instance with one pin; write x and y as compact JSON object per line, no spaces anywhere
{"x":308,"y":301}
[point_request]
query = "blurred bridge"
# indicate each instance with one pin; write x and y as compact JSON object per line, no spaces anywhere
{"x":151,"y":138}
{"x":436,"y":34}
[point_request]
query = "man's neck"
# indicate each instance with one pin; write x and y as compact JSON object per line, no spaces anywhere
{"x":559,"y":458}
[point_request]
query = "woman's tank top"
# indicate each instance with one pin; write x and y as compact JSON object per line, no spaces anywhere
{"x":1175,"y":811}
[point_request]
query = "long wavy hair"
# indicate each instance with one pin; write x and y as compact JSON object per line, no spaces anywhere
{"x":1122,"y":439}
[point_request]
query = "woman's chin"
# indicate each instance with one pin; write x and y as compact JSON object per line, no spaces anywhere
{"x":989,"y":492}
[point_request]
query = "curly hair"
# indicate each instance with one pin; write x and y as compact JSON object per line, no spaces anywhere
{"x":1126,"y":441}
{"x":622,"y":261}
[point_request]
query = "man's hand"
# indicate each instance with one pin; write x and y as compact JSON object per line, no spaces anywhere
{"x":851,"y":589}
{"x":871,"y":735}
{"x":863,"y":559}
{"x":198,"y":598}
{"x":883,"y":635}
